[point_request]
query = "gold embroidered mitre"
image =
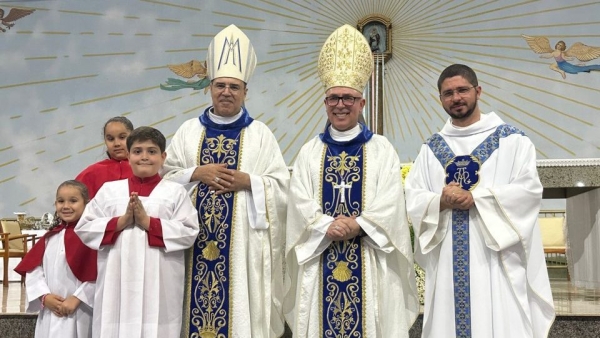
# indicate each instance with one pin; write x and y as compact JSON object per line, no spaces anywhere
{"x":230,"y":54}
{"x":345,"y":60}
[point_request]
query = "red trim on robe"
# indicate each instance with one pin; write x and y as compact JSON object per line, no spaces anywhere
{"x":81,"y":259}
{"x":143,"y":186}
{"x":155,"y":236}
{"x":110,"y":233}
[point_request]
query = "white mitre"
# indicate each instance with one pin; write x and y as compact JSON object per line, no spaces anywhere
{"x":345,"y":60}
{"x":230,"y":54}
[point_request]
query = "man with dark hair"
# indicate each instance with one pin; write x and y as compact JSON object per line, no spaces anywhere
{"x":473,"y":195}
{"x":235,"y":174}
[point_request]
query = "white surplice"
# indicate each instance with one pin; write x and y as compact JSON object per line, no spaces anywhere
{"x":510,"y":291}
{"x":390,"y":291}
{"x":256,"y":289}
{"x":139,"y":289}
{"x":55,"y":276}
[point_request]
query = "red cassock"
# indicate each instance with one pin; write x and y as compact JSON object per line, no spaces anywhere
{"x":107,"y":170}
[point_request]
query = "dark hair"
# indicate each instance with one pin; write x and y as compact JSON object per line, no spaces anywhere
{"x":79,"y":186}
{"x":458,"y":70}
{"x":142,"y":134}
{"x":121,"y":119}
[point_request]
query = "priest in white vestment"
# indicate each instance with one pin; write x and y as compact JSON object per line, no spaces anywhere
{"x":473,"y":195}
{"x":140,"y":227}
{"x":348,"y":252}
{"x":235,"y":174}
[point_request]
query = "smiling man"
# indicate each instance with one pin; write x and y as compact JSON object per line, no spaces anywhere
{"x":473,"y":195}
{"x":348,"y":253}
{"x":236,"y":177}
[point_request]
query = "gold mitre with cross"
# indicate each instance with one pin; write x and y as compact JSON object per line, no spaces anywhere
{"x":346,"y":59}
{"x":231,"y":54}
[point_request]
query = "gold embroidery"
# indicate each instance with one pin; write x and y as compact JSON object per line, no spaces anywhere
{"x":343,"y":301}
{"x":223,"y":148}
{"x":341,"y":271}
{"x":342,"y":172}
{"x":342,"y":314}
{"x":344,"y":163}
{"x":211,"y":312}
{"x":345,"y":59}
{"x":211,"y":252}
{"x":210,"y":298}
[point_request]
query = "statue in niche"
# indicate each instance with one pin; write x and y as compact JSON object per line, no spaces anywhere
{"x":374,"y":39}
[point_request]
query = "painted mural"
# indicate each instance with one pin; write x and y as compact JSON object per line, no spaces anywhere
{"x":68,"y":66}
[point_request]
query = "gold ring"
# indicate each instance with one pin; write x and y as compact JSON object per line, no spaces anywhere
{"x":217,"y":180}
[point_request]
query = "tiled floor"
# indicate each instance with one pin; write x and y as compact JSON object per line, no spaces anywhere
{"x":571,"y":300}
{"x":12,"y":298}
{"x":568,"y":299}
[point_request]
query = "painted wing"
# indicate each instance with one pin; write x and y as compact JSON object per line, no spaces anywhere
{"x":583,"y":52}
{"x":538,"y":44}
{"x":189,"y":69}
{"x":17,"y":13}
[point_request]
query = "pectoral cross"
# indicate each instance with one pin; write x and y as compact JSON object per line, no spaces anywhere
{"x":342,"y":190}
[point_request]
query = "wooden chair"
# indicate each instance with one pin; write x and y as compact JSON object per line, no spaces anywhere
{"x":554,"y":242}
{"x":14,"y":244}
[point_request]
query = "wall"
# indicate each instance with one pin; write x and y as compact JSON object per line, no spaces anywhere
{"x":70,"y":65}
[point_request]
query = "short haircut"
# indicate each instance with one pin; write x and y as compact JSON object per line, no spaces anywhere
{"x":458,"y":70}
{"x":142,"y":134}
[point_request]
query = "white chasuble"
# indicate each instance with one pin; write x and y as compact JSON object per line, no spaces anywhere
{"x":508,"y":291}
{"x":234,"y":281}
{"x":322,"y":278}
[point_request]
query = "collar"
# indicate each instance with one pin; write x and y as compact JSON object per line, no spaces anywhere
{"x":357,"y":135}
{"x":143,"y":185}
{"x":243,"y":120}
{"x":344,"y":136}
{"x":223,"y":119}
{"x":486,"y":123}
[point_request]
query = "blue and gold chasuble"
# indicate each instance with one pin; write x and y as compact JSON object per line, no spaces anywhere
{"x":208,"y":265}
{"x":465,"y":171}
{"x":342,"y":268}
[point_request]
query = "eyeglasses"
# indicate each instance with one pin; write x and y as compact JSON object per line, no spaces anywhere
{"x":233,"y":88}
{"x":333,"y":100}
{"x":462,"y":91}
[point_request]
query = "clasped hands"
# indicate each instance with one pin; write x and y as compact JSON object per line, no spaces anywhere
{"x":221,"y":180}
{"x":61,"y":306}
{"x":135,"y":214}
{"x":343,"y":228}
{"x":455,"y":197}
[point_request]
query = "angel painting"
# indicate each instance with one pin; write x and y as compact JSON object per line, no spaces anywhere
{"x":189,"y":70}
{"x":14,"y":15}
{"x":560,"y":53}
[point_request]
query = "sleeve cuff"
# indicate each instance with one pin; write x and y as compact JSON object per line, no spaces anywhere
{"x":155,"y":235}
{"x":110,"y":234}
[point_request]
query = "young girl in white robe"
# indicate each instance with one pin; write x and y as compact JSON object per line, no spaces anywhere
{"x":60,"y":271}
